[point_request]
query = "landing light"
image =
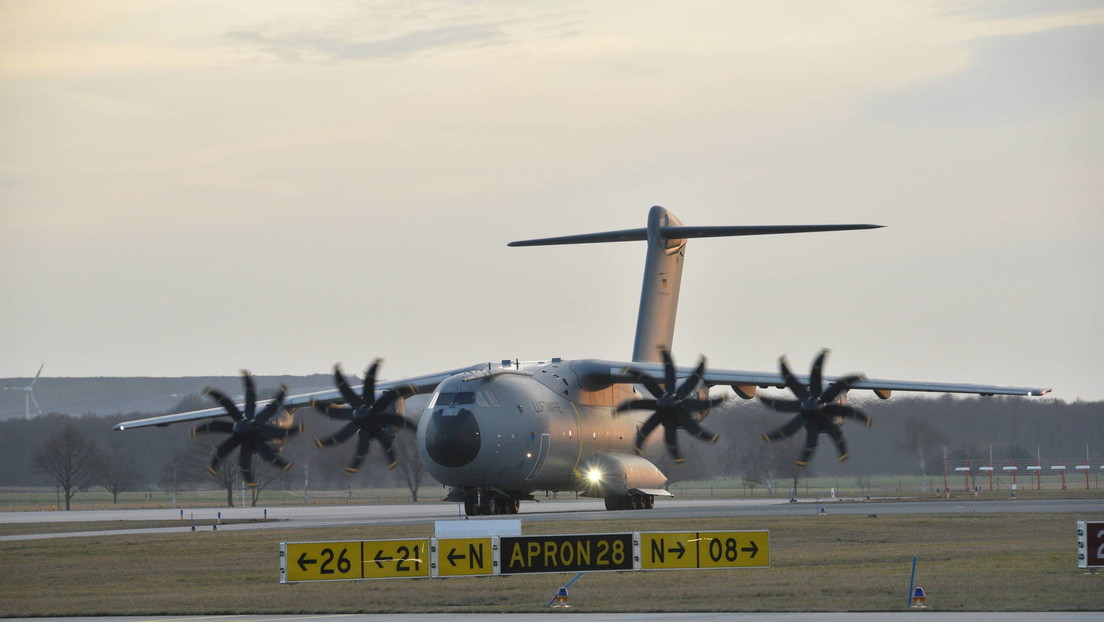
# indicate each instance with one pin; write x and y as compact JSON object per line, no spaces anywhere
{"x":594,"y":476}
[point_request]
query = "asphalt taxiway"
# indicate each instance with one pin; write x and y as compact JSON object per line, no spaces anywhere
{"x":310,"y":516}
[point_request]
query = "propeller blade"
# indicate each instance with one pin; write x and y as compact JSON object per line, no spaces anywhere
{"x":837,"y":436}
{"x":387,"y":399}
{"x":811,"y":437}
{"x":250,"y":394}
{"x":245,"y":461}
{"x":636,"y":405}
{"x":848,"y":412}
{"x":649,"y":383}
{"x":670,"y":436}
{"x":786,"y":406}
{"x":385,"y":439}
{"x":816,"y":384}
{"x":338,"y":437}
{"x":272,"y":456}
{"x":272,"y":407}
{"x":342,"y":412}
{"x":839,"y":387}
{"x":668,"y":370}
{"x":694,"y":428}
{"x":351,"y":398}
{"x":362,"y":449}
{"x":792,"y":384}
{"x":791,"y":428}
{"x":223,"y":427}
{"x":642,"y":433}
{"x":691,"y":384}
{"x":227,"y":404}
{"x":224,"y":448}
{"x":695,"y":405}
{"x":368,"y":392}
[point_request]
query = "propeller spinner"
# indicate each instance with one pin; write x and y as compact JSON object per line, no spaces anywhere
{"x":817,"y":408}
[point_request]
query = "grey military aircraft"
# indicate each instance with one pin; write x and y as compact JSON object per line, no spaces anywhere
{"x":495,"y":433}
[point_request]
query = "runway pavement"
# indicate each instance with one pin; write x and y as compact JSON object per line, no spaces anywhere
{"x":292,"y":517}
{"x":928,"y":616}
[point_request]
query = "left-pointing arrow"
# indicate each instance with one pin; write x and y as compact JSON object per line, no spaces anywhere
{"x":452,"y":556}
{"x":379,"y":559}
{"x":303,"y":562}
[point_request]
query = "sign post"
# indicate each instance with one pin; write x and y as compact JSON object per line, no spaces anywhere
{"x":1090,"y":544}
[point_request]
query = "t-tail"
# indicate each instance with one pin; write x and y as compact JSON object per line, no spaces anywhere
{"x":659,"y":294}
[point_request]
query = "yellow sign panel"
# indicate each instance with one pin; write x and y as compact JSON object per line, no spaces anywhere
{"x":395,"y":559}
{"x":464,"y":557}
{"x":714,"y":549}
{"x":322,"y":561}
{"x":669,"y":550}
{"x":734,"y":549}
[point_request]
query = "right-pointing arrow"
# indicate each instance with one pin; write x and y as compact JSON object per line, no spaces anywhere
{"x":753,"y":549}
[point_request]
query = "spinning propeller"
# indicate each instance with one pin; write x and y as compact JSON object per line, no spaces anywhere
{"x":674,"y":406}
{"x":366,"y":416}
{"x":251,"y":432}
{"x":817,"y":409}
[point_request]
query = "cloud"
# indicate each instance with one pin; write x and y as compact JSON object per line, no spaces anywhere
{"x":1013,"y":9}
{"x":335,"y":46}
{"x":1017,"y":78}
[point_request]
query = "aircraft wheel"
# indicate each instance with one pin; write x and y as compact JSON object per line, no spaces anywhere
{"x":514,"y":506}
{"x":636,"y":501}
{"x":618,"y":503}
{"x":471,"y":507}
{"x":649,"y":502}
{"x":491,"y":505}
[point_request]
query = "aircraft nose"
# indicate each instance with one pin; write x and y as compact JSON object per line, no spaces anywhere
{"x":452,"y":439}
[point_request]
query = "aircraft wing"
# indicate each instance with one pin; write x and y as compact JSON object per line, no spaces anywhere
{"x":417,"y":385}
{"x":597,"y":372}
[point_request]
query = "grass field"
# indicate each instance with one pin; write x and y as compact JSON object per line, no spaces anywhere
{"x":1024,"y":562}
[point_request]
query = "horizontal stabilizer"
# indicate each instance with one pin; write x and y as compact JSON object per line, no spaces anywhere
{"x":683,"y":232}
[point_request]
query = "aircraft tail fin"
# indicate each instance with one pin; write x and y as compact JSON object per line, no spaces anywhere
{"x":666,"y":237}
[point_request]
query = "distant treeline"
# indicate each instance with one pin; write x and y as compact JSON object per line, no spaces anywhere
{"x":909,"y":436}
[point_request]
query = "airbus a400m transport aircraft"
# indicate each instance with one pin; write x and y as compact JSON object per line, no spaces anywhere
{"x":497,"y":432}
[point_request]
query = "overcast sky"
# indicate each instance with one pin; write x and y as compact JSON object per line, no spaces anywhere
{"x":192,"y":188}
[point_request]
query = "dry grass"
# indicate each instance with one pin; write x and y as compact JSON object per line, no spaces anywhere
{"x":832,"y":563}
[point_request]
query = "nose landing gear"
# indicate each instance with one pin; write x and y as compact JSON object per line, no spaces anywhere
{"x":481,"y":502}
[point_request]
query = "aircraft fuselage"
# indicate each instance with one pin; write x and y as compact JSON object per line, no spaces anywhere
{"x":521,"y":428}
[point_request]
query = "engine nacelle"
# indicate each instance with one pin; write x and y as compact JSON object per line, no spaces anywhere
{"x":618,"y":474}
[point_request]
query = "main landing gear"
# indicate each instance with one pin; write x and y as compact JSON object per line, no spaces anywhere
{"x":630,"y":502}
{"x":488,"y":503}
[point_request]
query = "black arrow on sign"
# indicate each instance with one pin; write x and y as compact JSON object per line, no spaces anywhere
{"x":753,"y":549}
{"x":379,"y":559}
{"x":303,"y":561}
{"x":681,"y":550}
{"x":452,"y":556}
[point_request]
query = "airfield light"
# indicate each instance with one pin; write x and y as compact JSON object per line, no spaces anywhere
{"x":594,"y":476}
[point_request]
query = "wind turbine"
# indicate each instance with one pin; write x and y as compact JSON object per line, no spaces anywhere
{"x":28,"y":394}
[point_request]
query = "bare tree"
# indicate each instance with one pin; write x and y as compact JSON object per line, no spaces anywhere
{"x":71,"y":460}
{"x":920,"y":441}
{"x":410,"y":464}
{"x":120,"y":474}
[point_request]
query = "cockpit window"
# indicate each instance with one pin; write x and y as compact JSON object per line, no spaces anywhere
{"x":450,"y":399}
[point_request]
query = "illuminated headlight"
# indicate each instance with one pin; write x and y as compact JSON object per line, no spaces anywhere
{"x":594,"y":476}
